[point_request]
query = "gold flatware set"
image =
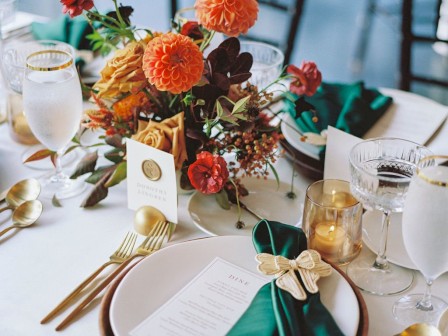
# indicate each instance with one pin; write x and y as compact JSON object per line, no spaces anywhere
{"x":159,"y":233}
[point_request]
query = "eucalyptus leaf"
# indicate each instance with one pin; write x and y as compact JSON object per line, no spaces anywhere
{"x":99,"y":173}
{"x":223,"y":200}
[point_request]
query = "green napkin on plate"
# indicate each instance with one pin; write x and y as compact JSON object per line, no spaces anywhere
{"x":273,"y":310}
{"x":349,"y":107}
{"x":72,"y":31}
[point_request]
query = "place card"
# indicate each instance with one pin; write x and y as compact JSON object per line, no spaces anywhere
{"x":210,"y":304}
{"x":151,"y":178}
{"x":339,"y":144}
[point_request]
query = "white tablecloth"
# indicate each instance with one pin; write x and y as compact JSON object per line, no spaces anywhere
{"x":42,"y":264}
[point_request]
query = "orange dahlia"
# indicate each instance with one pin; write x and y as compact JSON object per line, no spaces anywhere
{"x":173,"y":62}
{"x":231,"y":17}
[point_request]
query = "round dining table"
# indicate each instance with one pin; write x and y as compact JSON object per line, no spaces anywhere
{"x":41,"y":264}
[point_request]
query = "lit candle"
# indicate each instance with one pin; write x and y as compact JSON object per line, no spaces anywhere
{"x":328,"y":238}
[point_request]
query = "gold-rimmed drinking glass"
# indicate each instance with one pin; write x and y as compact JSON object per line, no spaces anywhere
{"x":425,"y":228}
{"x":52,"y":102}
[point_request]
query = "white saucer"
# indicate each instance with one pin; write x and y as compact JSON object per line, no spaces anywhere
{"x":265,"y":198}
{"x":371,"y":232}
{"x":153,"y":281}
{"x":290,"y":131}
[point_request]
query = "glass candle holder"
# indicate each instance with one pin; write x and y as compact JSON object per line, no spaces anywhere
{"x":332,"y":221}
{"x":18,"y":125}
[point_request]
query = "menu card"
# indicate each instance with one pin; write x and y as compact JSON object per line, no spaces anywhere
{"x":210,"y":304}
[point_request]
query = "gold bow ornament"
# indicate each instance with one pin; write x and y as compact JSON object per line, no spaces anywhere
{"x":309,"y":265}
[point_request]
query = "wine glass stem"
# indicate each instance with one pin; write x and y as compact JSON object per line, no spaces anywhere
{"x":425,"y":304}
{"x":381,"y":260}
{"x":59,"y":175}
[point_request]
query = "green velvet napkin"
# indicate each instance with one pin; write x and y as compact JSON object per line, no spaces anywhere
{"x":72,"y":31}
{"x":349,"y":107}
{"x":273,"y":310}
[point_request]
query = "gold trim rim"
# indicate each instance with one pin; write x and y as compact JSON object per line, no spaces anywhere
{"x":427,"y":179}
{"x":59,"y":67}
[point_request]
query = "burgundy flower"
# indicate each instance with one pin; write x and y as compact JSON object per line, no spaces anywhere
{"x":208,"y":173}
{"x":75,"y":7}
{"x":306,"y":79}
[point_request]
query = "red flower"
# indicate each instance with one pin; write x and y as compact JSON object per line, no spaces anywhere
{"x":75,"y":7}
{"x":208,"y":173}
{"x":306,"y":79}
{"x":191,"y":29}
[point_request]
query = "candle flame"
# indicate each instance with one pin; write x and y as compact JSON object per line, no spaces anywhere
{"x":331,"y":229}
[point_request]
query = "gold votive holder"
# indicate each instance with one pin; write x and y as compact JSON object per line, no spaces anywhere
{"x":332,"y":221}
{"x":18,"y":124}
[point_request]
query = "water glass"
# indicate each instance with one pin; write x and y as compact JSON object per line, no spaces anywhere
{"x":425,"y":228}
{"x":268,"y":63}
{"x":52,"y":102}
{"x":332,"y":220}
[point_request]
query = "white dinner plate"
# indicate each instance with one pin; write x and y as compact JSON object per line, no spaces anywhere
{"x":159,"y":277}
{"x":290,"y":131}
{"x":265,"y":198}
{"x":371,"y":232}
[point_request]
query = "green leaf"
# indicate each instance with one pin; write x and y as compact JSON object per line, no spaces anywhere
{"x":223,"y":199}
{"x":99,"y":173}
{"x":118,"y":175}
{"x":71,"y":148}
{"x":86,"y":165}
{"x":115,"y":141}
{"x":229,"y":120}
{"x":56,"y":202}
{"x":98,"y":193}
{"x":219,"y":109}
{"x":115,"y":155}
{"x":39,"y":155}
{"x":240,"y":105}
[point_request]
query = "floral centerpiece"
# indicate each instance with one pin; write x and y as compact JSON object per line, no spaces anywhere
{"x":160,"y":89}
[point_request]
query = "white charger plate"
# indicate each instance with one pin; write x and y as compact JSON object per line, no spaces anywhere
{"x":159,"y":277}
{"x":371,"y":233}
{"x":265,"y":198}
{"x":290,"y":131}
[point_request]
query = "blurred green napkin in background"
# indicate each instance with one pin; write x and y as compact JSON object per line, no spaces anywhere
{"x":274,"y":311}
{"x":72,"y":31}
{"x":349,"y":107}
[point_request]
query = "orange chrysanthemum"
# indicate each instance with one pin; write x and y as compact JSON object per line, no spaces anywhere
{"x":231,"y":17}
{"x":124,"y":109}
{"x":172,"y":62}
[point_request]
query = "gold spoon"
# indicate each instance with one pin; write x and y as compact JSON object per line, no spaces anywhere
{"x":25,"y":190}
{"x":145,"y":218}
{"x":24,"y":215}
{"x":420,"y":329}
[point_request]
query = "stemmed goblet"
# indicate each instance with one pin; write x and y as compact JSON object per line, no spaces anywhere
{"x":381,"y":170}
{"x":52,"y":102}
{"x":425,"y":228}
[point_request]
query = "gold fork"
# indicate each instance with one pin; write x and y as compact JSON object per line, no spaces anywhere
{"x":152,"y":243}
{"x":122,"y":253}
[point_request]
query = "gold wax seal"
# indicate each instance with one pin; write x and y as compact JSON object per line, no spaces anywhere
{"x":151,"y":170}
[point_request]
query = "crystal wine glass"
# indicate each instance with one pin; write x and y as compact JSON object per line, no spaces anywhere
{"x":425,"y":228}
{"x":381,"y":170}
{"x":52,"y":102}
